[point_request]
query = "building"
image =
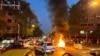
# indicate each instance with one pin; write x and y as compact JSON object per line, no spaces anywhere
{"x":11,"y":27}
{"x":11,"y":23}
{"x":90,"y":17}
{"x":17,"y":20}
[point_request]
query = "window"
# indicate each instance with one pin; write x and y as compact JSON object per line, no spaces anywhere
{"x":90,"y":24}
{"x":9,"y":20}
{"x":82,"y":32}
{"x":98,"y":17}
{"x":9,"y":13}
{"x":86,"y":24}
{"x":98,"y":24}
{"x":83,"y":24}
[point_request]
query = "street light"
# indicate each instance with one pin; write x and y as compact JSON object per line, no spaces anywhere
{"x":33,"y":25}
{"x":93,"y":3}
{"x":33,"y":28}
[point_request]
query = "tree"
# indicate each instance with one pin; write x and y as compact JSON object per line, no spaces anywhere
{"x":74,"y":20}
{"x":37,"y":32}
{"x":26,"y":17}
{"x":74,"y":15}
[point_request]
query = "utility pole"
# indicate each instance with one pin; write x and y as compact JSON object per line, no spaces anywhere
{"x":18,"y":29}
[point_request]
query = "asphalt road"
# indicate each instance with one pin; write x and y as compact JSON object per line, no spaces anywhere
{"x":39,"y":53}
{"x":71,"y":50}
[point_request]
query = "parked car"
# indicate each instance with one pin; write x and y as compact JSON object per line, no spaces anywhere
{"x":4,"y":45}
{"x":93,"y":52}
{"x":1,"y":46}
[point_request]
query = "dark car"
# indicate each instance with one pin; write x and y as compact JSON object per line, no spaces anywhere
{"x":17,"y":44}
{"x":95,"y":52}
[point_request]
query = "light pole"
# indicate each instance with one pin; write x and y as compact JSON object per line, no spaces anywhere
{"x":33,"y":27}
{"x":18,"y":29}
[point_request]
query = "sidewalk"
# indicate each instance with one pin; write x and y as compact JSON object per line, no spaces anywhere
{"x":71,"y":48}
{"x":74,"y":51}
{"x":84,"y":47}
{"x":92,"y":45}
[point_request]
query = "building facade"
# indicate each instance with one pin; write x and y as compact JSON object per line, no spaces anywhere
{"x":11,"y":27}
{"x":90,"y":17}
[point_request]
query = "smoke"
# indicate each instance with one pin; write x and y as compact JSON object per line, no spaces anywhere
{"x":59,"y":14}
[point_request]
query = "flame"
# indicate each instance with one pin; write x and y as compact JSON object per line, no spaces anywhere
{"x":61,"y":42}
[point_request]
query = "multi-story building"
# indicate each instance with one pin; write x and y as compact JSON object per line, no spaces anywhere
{"x":11,"y":24}
{"x":90,"y":19}
{"x":17,"y":18}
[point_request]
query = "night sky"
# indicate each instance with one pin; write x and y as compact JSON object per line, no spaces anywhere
{"x":39,"y":7}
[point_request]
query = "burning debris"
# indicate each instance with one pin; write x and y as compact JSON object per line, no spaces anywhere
{"x":61,"y":42}
{"x":60,"y":46}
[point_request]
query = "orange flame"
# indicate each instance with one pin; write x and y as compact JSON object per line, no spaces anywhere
{"x":61,"y":42}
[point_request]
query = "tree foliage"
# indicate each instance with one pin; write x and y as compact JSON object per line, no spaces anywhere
{"x":74,"y":19}
{"x":75,"y":15}
{"x":37,"y":32}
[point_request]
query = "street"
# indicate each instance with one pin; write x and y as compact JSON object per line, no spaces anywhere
{"x":71,"y":50}
{"x":49,"y":28}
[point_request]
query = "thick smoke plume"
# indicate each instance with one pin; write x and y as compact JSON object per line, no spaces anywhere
{"x":59,"y":14}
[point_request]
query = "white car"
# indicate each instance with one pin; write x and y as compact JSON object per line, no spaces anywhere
{"x":4,"y":45}
{"x":48,"y":47}
{"x":1,"y":45}
{"x":45,"y":47}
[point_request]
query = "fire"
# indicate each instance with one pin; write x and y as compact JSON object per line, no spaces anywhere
{"x":61,"y":42}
